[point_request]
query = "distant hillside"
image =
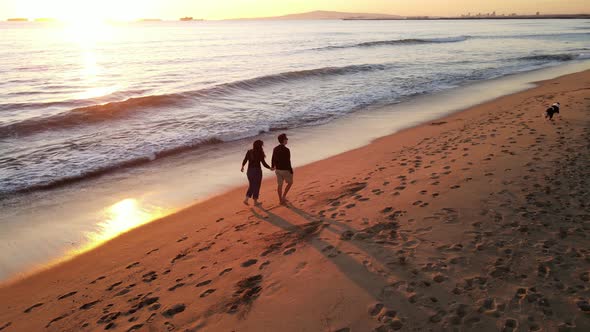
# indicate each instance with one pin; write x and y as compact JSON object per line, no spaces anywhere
{"x":326,"y":15}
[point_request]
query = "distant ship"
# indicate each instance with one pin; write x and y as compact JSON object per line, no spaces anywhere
{"x":190,"y":18}
{"x":18,"y":19}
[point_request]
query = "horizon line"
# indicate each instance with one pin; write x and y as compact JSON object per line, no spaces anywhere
{"x":401,"y":17}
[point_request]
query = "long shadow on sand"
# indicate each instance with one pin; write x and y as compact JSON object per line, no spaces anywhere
{"x":378,"y":280}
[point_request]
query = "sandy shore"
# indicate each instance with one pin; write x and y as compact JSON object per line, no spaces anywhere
{"x":475,"y":221}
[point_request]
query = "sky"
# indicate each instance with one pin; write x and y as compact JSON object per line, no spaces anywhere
{"x":227,"y":9}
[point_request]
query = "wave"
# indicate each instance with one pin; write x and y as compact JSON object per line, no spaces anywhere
{"x":64,"y":103}
{"x":538,"y":35}
{"x":92,"y":173}
{"x":109,"y":111}
{"x":410,"y":41}
{"x":82,"y":115}
{"x":554,"y":57}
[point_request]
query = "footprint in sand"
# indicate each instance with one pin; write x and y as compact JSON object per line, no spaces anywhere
{"x":123,"y":292}
{"x":114,"y":285}
{"x":109,"y":319}
{"x":150,"y":276}
{"x":331,"y":251}
{"x":249,"y":262}
{"x":329,"y":247}
{"x":346,"y":235}
{"x":89,"y":305}
{"x":387,"y":209}
{"x":152,"y":251}
{"x":135,"y":327}
{"x":375,"y":308}
{"x":173,"y":288}
{"x":289,"y":251}
{"x":97,"y":279}
{"x":150,"y":318}
{"x":179,"y":256}
{"x":225,"y":271}
{"x":67,"y":295}
{"x":169,"y":326}
{"x":207,"y":247}
{"x":203,"y":283}
{"x":29,"y":309}
{"x":247,"y":290}
{"x":510,"y":325}
{"x":207,"y":292}
{"x":132,"y":265}
{"x":56,"y":319}
{"x":175,"y":309}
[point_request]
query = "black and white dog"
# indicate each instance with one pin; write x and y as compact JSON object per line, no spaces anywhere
{"x":554,"y":109}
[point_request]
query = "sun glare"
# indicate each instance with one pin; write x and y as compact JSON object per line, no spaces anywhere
{"x":76,"y":11}
{"x":86,"y":11}
{"x":121,"y":217}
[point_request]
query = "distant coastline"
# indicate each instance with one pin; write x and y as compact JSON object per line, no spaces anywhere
{"x":482,"y":17}
{"x":345,"y":16}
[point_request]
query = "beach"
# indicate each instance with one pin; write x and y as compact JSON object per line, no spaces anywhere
{"x":474,"y":221}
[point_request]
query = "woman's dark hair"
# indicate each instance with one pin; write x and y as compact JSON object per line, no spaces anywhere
{"x":257,"y":149}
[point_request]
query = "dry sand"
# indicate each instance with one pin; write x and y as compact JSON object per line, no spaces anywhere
{"x":474,"y":222}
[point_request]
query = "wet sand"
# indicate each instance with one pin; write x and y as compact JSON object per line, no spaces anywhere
{"x":474,"y":221}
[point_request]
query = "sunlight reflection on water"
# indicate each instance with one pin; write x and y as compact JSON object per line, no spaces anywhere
{"x":119,"y":218}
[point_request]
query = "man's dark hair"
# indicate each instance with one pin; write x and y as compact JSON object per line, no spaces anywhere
{"x":282,"y":138}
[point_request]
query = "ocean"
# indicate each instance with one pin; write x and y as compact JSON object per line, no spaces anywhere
{"x":92,"y":119}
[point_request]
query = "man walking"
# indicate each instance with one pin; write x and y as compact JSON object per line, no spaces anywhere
{"x":281,"y":161}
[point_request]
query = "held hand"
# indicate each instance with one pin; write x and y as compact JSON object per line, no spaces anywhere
{"x":272,"y":168}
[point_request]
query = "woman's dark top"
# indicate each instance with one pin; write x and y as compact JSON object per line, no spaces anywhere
{"x":254,"y":160}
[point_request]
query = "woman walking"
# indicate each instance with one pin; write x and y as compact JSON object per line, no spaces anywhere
{"x":254,"y":158}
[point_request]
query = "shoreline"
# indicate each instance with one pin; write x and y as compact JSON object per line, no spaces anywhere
{"x":377,"y":234}
{"x":457,"y":100}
